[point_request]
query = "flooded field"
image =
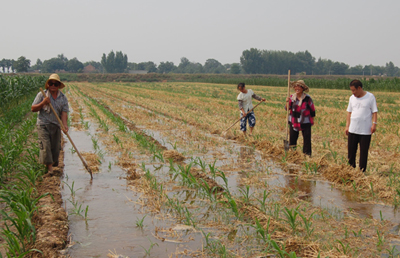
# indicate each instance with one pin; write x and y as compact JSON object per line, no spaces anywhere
{"x":167,"y":184}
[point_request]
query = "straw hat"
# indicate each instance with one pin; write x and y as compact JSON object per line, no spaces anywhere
{"x":301,"y":84}
{"x":54,"y":77}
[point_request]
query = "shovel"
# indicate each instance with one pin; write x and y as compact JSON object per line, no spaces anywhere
{"x":62,"y":127}
{"x":224,"y":132}
{"x":286,"y":142}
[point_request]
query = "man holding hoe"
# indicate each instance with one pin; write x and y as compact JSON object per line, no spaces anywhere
{"x":245,"y":105}
{"x":48,"y":127}
{"x":361,"y":123}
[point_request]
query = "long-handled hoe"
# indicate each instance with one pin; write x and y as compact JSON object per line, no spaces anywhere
{"x":286,"y":142}
{"x":62,"y":127}
{"x":224,"y":132}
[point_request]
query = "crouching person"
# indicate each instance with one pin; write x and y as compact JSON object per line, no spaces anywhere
{"x":48,"y":127}
{"x":245,"y":105}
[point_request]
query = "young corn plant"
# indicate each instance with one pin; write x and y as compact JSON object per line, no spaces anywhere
{"x":291,"y":215}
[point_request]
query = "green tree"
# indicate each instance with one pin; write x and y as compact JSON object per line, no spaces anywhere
{"x":95,"y":64}
{"x":12,"y":65}
{"x":339,"y":68}
{"x":355,"y":70}
{"x":213,"y":66}
{"x":74,"y":65}
{"x":22,"y":64}
{"x":114,"y":62}
{"x":252,"y":61}
{"x":235,"y":68}
{"x":121,"y":62}
{"x":3,"y":65}
{"x":53,"y":65}
{"x":38,"y":65}
{"x":166,"y":67}
{"x":390,"y":69}
{"x":8,"y":64}
{"x":150,"y":66}
{"x":189,"y":67}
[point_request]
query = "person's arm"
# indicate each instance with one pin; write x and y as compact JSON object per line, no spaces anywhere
{"x":254,"y":96}
{"x":312,"y":107}
{"x":348,"y":122}
{"x":374,"y":122}
{"x":64,"y":120}
{"x":241,"y":107}
{"x":38,"y":107}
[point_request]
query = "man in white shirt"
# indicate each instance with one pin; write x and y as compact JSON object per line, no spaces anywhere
{"x":360,"y":123}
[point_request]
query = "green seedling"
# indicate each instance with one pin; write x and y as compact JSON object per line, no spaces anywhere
{"x":200,"y":163}
{"x":291,"y":216}
{"x":357,"y":234}
{"x":261,"y":231}
{"x":308,"y":223}
{"x":149,"y":249}
{"x":263,"y":202}
{"x":71,"y":188}
{"x":346,"y":249}
{"x":139,"y":222}
{"x":245,"y":193}
{"x":381,"y":240}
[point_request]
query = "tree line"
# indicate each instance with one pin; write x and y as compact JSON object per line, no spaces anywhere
{"x":252,"y":61}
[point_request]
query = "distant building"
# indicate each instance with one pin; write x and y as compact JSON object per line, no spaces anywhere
{"x":137,"y":71}
{"x":89,"y":69}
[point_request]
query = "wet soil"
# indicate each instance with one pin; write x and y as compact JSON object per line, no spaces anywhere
{"x":51,"y":221}
{"x":115,"y":205}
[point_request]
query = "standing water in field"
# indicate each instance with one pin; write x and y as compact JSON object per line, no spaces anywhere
{"x":112,"y":215}
{"x":117,"y":221}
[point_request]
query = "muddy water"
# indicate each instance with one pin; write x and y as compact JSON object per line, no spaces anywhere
{"x":319,"y":193}
{"x":112,"y":213}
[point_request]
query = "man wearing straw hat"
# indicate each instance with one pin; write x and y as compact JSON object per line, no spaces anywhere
{"x":48,"y":127}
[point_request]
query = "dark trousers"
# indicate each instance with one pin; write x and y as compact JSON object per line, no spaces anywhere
{"x":294,"y":135}
{"x":353,"y":141}
{"x":49,"y":143}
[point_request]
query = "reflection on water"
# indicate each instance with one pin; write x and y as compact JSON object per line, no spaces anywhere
{"x":112,"y":213}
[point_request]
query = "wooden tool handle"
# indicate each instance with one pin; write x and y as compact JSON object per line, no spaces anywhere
{"x":287,"y":112}
{"x":242,"y":117}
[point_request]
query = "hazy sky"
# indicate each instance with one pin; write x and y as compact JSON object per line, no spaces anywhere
{"x":355,"y":32}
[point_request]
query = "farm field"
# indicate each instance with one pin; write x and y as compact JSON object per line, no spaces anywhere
{"x":168,"y":183}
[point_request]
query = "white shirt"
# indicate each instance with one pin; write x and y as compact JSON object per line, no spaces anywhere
{"x":361,"y":113}
{"x":247,"y":100}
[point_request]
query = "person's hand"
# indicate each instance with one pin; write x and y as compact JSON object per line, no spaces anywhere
{"x":46,"y":101}
{"x":373,"y":128}
{"x":347,"y":131}
{"x":263,"y":99}
{"x":287,"y":99}
{"x":65,"y":129}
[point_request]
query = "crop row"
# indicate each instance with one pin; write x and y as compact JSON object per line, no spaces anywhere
{"x":19,"y":170}
{"x":234,"y":208}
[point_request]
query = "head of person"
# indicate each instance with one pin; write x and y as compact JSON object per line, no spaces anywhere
{"x":356,"y":88}
{"x":241,"y":86}
{"x":299,"y":86}
{"x":54,"y":83}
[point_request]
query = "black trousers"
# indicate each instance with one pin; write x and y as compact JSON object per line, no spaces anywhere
{"x":306,"y":131}
{"x":353,"y":141}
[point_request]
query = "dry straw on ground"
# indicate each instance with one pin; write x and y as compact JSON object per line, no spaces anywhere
{"x":174,"y":155}
{"x":92,"y":159}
